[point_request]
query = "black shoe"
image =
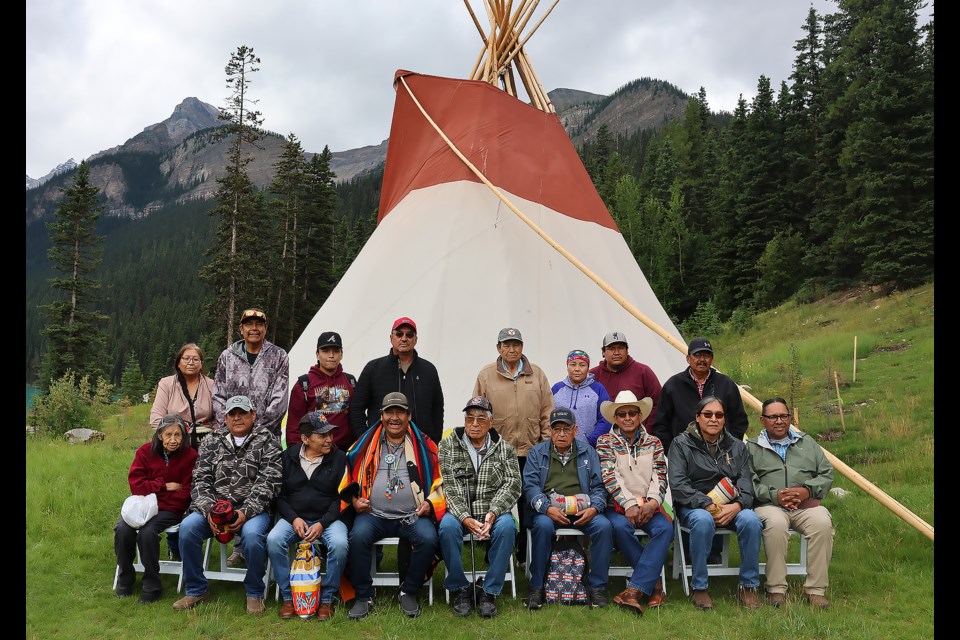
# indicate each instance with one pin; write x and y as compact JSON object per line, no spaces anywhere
{"x":409,"y":604}
{"x":361,"y":609}
{"x":534,"y":599}
{"x":124,"y":591}
{"x":714,"y":559}
{"x":175,"y":554}
{"x":598,"y":598}
{"x":149,"y":596}
{"x":462,"y":601}
{"x":486,"y":607}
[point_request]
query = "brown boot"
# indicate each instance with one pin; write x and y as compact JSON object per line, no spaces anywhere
{"x":749,"y":598}
{"x":629,"y":598}
{"x":701,"y":599}
{"x":776,"y":599}
{"x":818,"y":601}
{"x":658,"y":597}
{"x":325,"y":611}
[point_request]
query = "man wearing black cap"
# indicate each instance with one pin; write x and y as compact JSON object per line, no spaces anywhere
{"x":324,"y":388}
{"x":400,"y":370}
{"x":314,"y":472}
{"x":682,"y":391}
{"x":563,"y":469}
{"x":482,"y":484}
{"x":619,"y":372}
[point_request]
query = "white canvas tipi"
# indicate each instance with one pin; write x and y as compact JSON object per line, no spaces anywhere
{"x":450,"y":254}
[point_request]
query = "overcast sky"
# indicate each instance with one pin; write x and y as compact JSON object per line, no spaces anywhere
{"x":100,"y":71}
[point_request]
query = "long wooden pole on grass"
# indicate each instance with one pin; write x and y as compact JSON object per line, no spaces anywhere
{"x":874,"y":491}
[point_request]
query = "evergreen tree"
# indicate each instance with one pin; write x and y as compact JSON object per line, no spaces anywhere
{"x":319,"y":250}
{"x":132,"y":384}
{"x":236,"y":269}
{"x":75,"y":342}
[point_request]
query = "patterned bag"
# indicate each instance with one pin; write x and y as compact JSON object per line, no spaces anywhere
{"x":565,"y":573}
{"x":305,"y":580}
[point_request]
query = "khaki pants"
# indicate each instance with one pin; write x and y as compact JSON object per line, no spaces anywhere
{"x":816,"y":525}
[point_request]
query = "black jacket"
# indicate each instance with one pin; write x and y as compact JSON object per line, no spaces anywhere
{"x":317,"y":498}
{"x":679,"y":398}
{"x":421,"y":385}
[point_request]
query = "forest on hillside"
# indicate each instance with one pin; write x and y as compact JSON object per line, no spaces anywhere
{"x":820,"y":184}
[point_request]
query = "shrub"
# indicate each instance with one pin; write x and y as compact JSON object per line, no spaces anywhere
{"x":742,"y":319}
{"x":66,"y":405}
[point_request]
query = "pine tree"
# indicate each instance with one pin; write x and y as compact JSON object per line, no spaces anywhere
{"x":132,"y":384}
{"x":75,"y":342}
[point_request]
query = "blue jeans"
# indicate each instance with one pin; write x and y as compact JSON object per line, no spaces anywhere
{"x":194,"y":530}
{"x":334,"y":538}
{"x":749,"y":533}
{"x":647,"y":559}
{"x":368,"y":528}
{"x":599,"y":532}
{"x":502,"y":536}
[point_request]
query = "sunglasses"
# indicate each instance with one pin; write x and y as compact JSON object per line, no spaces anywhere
{"x":405,"y":334}
{"x":627,"y":413}
{"x":712,"y":414}
{"x":253,"y":313}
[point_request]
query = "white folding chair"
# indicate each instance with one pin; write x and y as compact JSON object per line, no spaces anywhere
{"x":170,"y":567}
{"x":563,"y":531}
{"x":392,"y":578}
{"x":627,"y":571}
{"x":230,"y":574}
{"x":508,"y":577}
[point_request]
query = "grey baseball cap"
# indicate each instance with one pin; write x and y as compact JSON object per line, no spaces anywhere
{"x":509,"y":334}
{"x":238,"y":402}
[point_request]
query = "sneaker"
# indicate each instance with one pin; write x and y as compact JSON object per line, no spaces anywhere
{"x":598,"y":599}
{"x":255,"y":606}
{"x":749,"y":598}
{"x":487,"y":607}
{"x":701,"y":600}
{"x":409,"y":604}
{"x":148,"y":597}
{"x":534,"y":599}
{"x":236,"y":559}
{"x":818,"y":601}
{"x":462,"y":602}
{"x":776,"y":599}
{"x":361,"y":608}
{"x":189,"y":602}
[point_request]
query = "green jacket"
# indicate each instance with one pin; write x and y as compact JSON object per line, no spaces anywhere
{"x":494,"y":487}
{"x":806,"y":465}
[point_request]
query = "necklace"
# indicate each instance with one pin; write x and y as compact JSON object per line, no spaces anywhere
{"x":394,"y":483}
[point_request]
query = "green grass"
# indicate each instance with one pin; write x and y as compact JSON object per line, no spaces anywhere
{"x":882,"y":574}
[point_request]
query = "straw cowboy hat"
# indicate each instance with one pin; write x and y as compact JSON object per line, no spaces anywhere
{"x":626,"y":399}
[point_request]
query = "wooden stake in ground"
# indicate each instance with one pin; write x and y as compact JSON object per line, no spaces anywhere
{"x":854,"y":358}
{"x":836,"y":382}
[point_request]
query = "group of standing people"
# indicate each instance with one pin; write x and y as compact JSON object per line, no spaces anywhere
{"x":366,"y":459}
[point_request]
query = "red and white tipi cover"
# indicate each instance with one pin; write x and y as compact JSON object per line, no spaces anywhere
{"x":448,"y":253}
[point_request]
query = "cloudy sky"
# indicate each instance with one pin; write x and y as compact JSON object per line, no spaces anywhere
{"x":99,"y":71}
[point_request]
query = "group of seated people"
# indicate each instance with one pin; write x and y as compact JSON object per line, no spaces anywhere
{"x":396,"y":481}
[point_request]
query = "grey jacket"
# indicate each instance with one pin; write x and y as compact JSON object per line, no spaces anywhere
{"x":265,"y":383}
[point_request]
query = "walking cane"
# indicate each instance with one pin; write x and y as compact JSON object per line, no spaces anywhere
{"x":465,"y":475}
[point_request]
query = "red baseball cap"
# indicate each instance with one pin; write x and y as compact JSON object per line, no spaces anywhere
{"x":402,"y":321}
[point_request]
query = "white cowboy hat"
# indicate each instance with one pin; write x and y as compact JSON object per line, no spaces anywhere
{"x":626,"y":399}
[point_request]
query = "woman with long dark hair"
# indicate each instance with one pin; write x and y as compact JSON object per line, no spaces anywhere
{"x":187,"y":393}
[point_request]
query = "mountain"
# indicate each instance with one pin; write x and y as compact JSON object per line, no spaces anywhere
{"x":178,"y":161}
{"x":63,"y":167}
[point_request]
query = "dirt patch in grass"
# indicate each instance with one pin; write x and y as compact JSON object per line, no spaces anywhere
{"x":897,"y":346}
{"x":830,"y":435}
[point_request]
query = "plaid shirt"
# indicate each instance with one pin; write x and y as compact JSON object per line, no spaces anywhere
{"x":495,"y":486}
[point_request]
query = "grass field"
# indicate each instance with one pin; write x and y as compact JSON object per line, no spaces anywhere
{"x":882,"y":574}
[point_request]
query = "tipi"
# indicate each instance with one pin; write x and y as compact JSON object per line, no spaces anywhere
{"x":451,"y":253}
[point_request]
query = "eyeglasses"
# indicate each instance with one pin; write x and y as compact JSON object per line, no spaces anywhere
{"x":475,"y":419}
{"x":780,"y":417}
{"x":562,"y":430}
{"x":405,"y":334}
{"x":191,"y":359}
{"x":629,"y":413}
{"x":712,"y":414}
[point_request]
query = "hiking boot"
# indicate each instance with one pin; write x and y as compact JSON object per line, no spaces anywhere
{"x":409,"y":604}
{"x":361,"y":608}
{"x":287,"y":610}
{"x":658,"y":597}
{"x":236,"y":559}
{"x":487,"y":607}
{"x":534,"y":598}
{"x":629,"y":598}
{"x":776,"y":599}
{"x":255,"y":606}
{"x":462,"y":602}
{"x":701,"y":600}
{"x":189,"y":602}
{"x":598,"y":599}
{"x":124,"y":590}
{"x":818,"y":601}
{"x":148,"y":597}
{"x":749,"y":598}
{"x":325,"y":611}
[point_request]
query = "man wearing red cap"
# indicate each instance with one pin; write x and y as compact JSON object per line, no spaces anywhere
{"x":403,"y":370}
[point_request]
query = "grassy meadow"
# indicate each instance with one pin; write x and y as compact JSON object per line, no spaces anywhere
{"x":882,"y":574}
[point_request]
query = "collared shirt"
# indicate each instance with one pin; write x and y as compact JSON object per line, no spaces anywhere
{"x":781,"y":446}
{"x":476,"y":455}
{"x":308,"y":465}
{"x":699,"y":384}
{"x":519,"y":368}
